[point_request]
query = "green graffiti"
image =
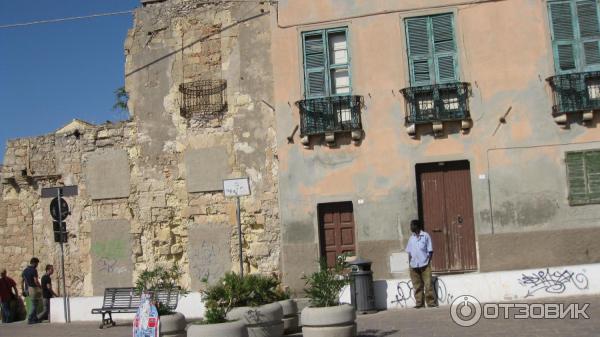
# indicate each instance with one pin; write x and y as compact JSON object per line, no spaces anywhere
{"x":114,"y":249}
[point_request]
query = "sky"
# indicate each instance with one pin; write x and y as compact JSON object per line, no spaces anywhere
{"x":53,"y":73}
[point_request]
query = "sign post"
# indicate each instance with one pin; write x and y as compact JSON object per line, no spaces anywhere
{"x":237,"y":188}
{"x":59,"y":210}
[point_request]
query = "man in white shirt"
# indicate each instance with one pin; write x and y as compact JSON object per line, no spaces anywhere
{"x":420,"y":250}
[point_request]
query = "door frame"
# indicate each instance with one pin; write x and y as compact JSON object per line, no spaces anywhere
{"x":418,"y":195}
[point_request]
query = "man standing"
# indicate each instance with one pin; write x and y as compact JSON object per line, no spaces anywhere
{"x":31,"y":286}
{"x":420,"y":251}
{"x":8,"y":293}
{"x":47,"y":292}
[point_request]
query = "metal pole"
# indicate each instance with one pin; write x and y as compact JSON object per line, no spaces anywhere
{"x":62,"y":257}
{"x":239,"y":223}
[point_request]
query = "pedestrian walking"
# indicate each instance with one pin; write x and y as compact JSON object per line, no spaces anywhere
{"x":47,"y":292}
{"x":420,"y":251}
{"x":32,"y":288}
{"x":8,"y":295}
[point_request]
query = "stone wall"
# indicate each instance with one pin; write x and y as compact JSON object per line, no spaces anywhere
{"x":139,"y":201}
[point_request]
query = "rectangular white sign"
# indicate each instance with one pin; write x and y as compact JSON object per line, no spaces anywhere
{"x":236,"y":187}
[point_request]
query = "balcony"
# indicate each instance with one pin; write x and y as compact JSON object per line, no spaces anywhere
{"x":203,"y":100}
{"x":575,"y":93}
{"x":437,"y":103}
{"x":330,"y":115}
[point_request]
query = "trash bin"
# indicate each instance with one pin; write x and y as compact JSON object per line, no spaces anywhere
{"x":361,"y":286}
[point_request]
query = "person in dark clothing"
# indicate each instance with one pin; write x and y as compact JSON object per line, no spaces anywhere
{"x":8,"y":294}
{"x":47,"y":292}
{"x":32,"y":287}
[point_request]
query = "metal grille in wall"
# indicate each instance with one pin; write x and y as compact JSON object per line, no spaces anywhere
{"x":203,"y":99}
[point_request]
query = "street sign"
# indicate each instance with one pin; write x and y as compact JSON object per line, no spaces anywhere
{"x":60,"y":232}
{"x":54,"y":209}
{"x":236,"y":187}
{"x":64,"y":191}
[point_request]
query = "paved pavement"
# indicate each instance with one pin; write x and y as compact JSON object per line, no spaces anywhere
{"x":393,"y":323}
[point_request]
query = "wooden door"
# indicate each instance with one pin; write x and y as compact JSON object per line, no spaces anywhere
{"x":336,"y":230}
{"x":446,"y":208}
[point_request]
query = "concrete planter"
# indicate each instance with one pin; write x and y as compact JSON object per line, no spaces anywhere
{"x":290,"y":316}
{"x":301,"y":303}
{"x":336,"y":321}
{"x":173,"y":325}
{"x":229,"y":329}
{"x":263,"y":321}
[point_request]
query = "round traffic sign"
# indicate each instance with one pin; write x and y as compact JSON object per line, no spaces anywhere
{"x":64,"y":209}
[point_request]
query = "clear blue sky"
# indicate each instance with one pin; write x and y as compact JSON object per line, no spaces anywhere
{"x":52,"y":73}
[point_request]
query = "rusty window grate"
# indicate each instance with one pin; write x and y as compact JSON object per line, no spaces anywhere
{"x":204,"y":99}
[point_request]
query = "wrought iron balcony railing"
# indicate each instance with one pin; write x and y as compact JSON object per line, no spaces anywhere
{"x":204,"y":99}
{"x":437,"y":102}
{"x":578,"y":92}
{"x":330,"y":114}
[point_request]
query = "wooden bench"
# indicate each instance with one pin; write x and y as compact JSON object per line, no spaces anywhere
{"x":127,"y":300}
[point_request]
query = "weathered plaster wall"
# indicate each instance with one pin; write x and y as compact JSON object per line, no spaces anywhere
{"x":137,"y":212}
{"x":504,"y":52}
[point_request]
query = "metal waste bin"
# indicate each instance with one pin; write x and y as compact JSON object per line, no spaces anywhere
{"x":361,"y":286}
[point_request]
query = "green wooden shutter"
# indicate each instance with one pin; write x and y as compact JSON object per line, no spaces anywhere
{"x":315,"y":65}
{"x":592,"y":170}
{"x":576,"y":178}
{"x":563,"y":36}
{"x":444,"y":48}
{"x":589,"y":30}
{"x":419,"y":51}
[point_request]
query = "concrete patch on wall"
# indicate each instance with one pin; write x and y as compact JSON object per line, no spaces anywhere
{"x":206,"y":168}
{"x":107,"y":174}
{"x":111,"y":255}
{"x":209,"y":253}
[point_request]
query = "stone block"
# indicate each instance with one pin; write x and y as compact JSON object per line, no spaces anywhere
{"x":206,"y":168}
{"x":209,"y":252}
{"x":107,"y":174}
{"x":111,"y":255}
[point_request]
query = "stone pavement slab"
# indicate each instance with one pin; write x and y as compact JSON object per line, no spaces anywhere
{"x":435,"y":322}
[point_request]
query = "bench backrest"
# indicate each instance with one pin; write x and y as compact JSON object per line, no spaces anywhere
{"x":121,"y":298}
{"x":168,"y":297}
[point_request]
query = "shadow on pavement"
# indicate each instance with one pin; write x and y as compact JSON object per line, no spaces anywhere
{"x":376,"y":333}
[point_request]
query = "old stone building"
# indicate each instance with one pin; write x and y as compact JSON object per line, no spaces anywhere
{"x":199,"y":78}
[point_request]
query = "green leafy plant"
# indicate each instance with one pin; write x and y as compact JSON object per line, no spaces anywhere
{"x":122,"y":97}
{"x":233,"y":291}
{"x":160,"y":278}
{"x":323,"y":287}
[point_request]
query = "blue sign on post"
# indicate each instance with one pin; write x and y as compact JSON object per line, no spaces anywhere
{"x":146,"y":322}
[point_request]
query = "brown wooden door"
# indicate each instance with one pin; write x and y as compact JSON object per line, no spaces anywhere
{"x":446,"y":208}
{"x":336,"y":230}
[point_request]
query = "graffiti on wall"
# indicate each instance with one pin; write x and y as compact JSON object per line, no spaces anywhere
{"x":553,"y":282}
{"x":405,"y":296}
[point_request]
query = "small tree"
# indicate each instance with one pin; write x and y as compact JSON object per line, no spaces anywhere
{"x":160,"y":278}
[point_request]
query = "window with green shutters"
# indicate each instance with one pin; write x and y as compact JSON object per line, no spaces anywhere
{"x":575,"y":35}
{"x":583,"y":175}
{"x":326,"y":63}
{"x":431,"y":49}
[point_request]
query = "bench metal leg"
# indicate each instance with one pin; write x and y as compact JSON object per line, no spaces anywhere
{"x":107,"y":321}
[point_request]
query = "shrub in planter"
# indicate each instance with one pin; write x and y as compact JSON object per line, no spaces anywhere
{"x":325,"y":316}
{"x":250,"y":299}
{"x":172,"y":324}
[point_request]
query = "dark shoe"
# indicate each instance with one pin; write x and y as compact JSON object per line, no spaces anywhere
{"x":432,"y":306}
{"x":419,"y":306}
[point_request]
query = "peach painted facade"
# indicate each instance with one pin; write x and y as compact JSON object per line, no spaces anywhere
{"x":517,"y":168}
